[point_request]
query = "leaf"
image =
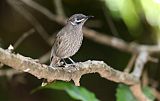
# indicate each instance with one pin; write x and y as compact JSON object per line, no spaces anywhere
{"x":127,"y":10}
{"x":124,"y":94}
{"x":78,"y":93}
{"x":147,"y":91}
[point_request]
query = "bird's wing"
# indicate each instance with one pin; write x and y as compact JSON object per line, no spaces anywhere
{"x":56,"y":44}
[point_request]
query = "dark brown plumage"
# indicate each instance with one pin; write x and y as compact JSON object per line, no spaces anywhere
{"x":68,"y":39}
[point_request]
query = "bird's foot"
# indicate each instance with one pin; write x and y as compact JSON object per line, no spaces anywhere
{"x":71,"y":66}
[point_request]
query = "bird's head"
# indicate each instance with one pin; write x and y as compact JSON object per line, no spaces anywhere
{"x":78,"y":19}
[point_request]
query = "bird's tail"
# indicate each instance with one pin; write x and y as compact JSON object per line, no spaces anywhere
{"x":55,"y":61}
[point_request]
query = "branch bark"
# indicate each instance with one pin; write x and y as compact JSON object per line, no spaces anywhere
{"x":141,"y":60}
{"x":72,"y":72}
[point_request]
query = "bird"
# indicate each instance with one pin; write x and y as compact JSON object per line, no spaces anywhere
{"x":68,"y":40}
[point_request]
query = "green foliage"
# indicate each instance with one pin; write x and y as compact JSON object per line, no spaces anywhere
{"x":126,"y":10}
{"x":133,"y":12}
{"x":124,"y":94}
{"x":147,"y":91}
{"x":151,"y":9}
{"x":78,"y":93}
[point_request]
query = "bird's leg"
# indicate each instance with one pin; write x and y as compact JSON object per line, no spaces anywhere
{"x":64,"y":62}
{"x":71,"y":60}
{"x":73,"y":63}
{"x":51,"y":65}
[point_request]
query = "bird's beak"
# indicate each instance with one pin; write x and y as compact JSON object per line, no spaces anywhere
{"x":89,"y":17}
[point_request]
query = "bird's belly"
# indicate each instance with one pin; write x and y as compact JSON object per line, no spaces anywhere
{"x":70,"y":46}
{"x":72,"y":49}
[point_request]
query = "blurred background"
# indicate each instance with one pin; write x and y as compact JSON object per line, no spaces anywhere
{"x":130,"y":20}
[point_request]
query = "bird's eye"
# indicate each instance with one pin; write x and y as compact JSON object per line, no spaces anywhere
{"x":79,"y":20}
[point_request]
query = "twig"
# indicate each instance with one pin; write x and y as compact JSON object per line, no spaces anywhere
{"x":44,"y":58}
{"x":145,"y":78}
{"x":97,"y":36}
{"x":23,"y":37}
{"x":154,"y":86}
{"x":156,"y":94}
{"x":140,"y":62}
{"x":109,"y":21}
{"x":74,"y":73}
{"x":119,"y":43}
{"x":137,"y":92}
{"x":9,"y":72}
{"x":44,"y":11}
{"x":153,"y":59}
{"x":17,"y":5}
{"x":139,"y":65}
{"x":131,"y":63}
{"x":59,"y":7}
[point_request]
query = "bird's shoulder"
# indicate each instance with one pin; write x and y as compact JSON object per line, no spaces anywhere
{"x":63,"y":31}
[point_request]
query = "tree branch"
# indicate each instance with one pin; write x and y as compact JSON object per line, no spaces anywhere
{"x":72,"y":72}
{"x":59,"y":7}
{"x":140,"y":62}
{"x":23,"y":37}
